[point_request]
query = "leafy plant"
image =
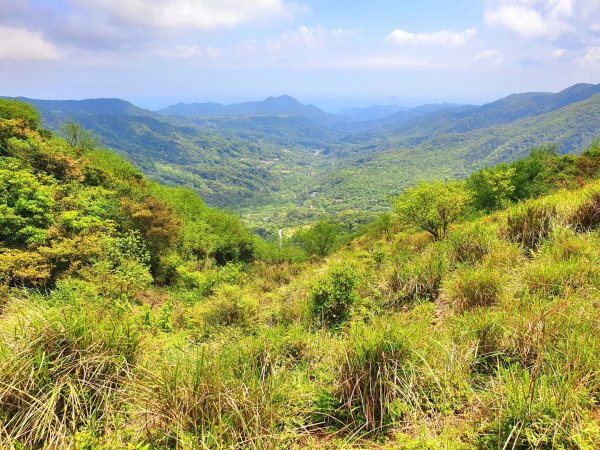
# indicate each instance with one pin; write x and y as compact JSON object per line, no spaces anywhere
{"x":333,"y":295}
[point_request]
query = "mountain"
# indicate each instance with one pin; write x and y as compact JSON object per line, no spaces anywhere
{"x":133,"y":316}
{"x":500,"y":112}
{"x":60,"y":109}
{"x":282,"y":105}
{"x":372,"y":112}
{"x":386,"y":123}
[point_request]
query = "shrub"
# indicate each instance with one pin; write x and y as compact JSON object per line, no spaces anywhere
{"x":470,"y":288}
{"x":333,"y":295}
{"x":529,"y":224}
{"x":231,"y":307}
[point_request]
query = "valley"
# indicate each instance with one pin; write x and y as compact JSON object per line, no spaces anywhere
{"x":281,"y":164}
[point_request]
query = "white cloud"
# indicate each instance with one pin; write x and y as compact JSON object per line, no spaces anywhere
{"x":188,"y":51}
{"x":444,"y":38}
{"x":591,"y":58}
{"x":200,"y":14}
{"x":559,"y":53}
{"x":311,"y":37}
{"x":489,"y":56}
{"x":20,"y":43}
{"x":543,"y":18}
{"x":523,"y":20}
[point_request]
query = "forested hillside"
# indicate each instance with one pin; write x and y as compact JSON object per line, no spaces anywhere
{"x":282,"y":164}
{"x":133,"y":316}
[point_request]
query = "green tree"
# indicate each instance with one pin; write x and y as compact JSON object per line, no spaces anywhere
{"x":493,"y":188}
{"x":433,"y":206}
{"x":77,"y":137}
{"x":320,"y":239}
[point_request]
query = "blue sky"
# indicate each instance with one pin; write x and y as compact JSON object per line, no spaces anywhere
{"x":331,"y":53}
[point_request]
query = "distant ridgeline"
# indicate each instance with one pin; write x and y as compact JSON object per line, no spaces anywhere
{"x":282,"y":164}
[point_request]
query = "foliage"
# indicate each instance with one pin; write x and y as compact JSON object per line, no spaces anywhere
{"x":433,"y":206}
{"x":333,"y":295}
{"x":114,"y":334}
{"x":25,"y":206}
{"x":320,"y":239}
{"x":78,"y":137}
{"x":14,"y":109}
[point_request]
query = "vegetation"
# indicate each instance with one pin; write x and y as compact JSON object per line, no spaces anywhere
{"x":281,"y":164}
{"x":133,"y":316}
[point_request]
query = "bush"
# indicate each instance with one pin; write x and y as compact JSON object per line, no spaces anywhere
{"x":15,"y":109}
{"x":333,"y":295}
{"x":230,"y":307}
{"x":470,"y":288}
{"x":530,"y":224}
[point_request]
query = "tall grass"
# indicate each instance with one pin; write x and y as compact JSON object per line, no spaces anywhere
{"x":62,"y":370}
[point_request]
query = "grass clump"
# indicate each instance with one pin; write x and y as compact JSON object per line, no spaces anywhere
{"x":529,"y":224}
{"x":63,"y":370}
{"x":418,"y":278}
{"x":470,"y":288}
{"x":372,"y":376}
{"x":471,"y":243}
{"x":587,"y":216}
{"x":235,"y":397}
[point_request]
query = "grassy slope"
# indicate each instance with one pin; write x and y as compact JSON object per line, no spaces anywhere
{"x":480,"y":341}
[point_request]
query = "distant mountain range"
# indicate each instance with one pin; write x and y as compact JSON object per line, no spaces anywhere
{"x":372,"y":112}
{"x":283,"y":105}
{"x":280,"y":161}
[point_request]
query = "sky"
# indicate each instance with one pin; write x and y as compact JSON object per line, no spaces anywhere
{"x":334,"y":54}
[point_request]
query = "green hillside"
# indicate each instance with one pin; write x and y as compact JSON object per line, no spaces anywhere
{"x":133,"y":316}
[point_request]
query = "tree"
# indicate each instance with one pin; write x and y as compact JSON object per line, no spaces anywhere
{"x":433,"y":206}
{"x":77,"y":137}
{"x":493,"y":188}
{"x":320,"y":239}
